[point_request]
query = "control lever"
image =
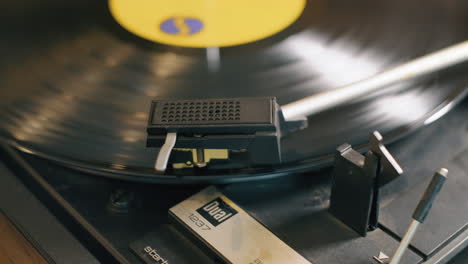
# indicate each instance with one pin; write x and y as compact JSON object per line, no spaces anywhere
{"x":421,"y":212}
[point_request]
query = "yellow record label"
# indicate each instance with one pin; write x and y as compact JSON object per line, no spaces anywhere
{"x":205,"y":23}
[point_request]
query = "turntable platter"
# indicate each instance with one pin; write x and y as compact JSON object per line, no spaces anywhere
{"x":76,"y":85}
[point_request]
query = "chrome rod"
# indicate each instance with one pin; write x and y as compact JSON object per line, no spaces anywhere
{"x":429,"y":63}
{"x":405,"y":242}
{"x":421,"y":212}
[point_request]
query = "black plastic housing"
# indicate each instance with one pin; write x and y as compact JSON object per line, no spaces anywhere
{"x":252,"y":124}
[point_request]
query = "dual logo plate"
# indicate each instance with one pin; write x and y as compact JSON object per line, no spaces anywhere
{"x":216,"y":211}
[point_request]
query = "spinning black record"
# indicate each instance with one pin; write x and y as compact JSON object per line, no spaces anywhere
{"x":75,"y":86}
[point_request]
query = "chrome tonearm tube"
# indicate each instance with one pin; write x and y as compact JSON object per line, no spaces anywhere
{"x":427,"y":64}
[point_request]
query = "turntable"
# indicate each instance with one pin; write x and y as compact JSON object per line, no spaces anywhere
{"x":124,"y":125}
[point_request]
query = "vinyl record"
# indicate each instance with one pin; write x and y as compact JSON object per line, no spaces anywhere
{"x":77,"y":77}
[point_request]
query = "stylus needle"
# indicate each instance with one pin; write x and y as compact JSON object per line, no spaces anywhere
{"x":427,"y":64}
{"x":421,"y":212}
